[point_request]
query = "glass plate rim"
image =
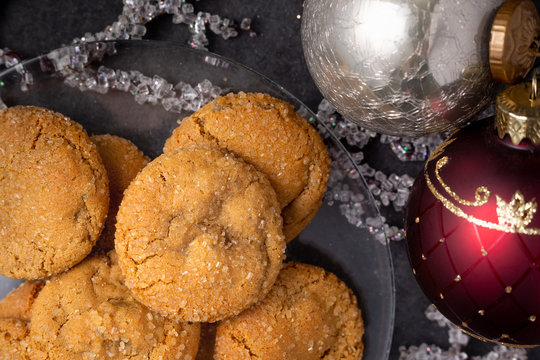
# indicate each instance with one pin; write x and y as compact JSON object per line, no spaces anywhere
{"x":286,"y":92}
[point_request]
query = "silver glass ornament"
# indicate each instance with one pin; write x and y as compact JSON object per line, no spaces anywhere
{"x":401,"y":67}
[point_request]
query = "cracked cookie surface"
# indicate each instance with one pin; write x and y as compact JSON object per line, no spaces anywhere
{"x":123,"y":161}
{"x":15,"y":315}
{"x":54,"y":193}
{"x":308,"y":314}
{"x":18,"y":302}
{"x":267,"y":133}
{"x":199,"y":235}
{"x":88,"y":313}
{"x":14,"y":339}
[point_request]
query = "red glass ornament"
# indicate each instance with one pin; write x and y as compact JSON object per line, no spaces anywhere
{"x":473,"y":234}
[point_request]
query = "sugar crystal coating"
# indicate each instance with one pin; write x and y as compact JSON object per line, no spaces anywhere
{"x":199,"y":235}
{"x":88,"y":313}
{"x":15,"y":314}
{"x":14,"y":339}
{"x":267,"y":133}
{"x":18,"y":302}
{"x":54,"y":193}
{"x":308,"y":314}
{"x":123,"y":161}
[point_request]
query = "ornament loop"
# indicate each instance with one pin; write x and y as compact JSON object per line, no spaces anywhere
{"x":518,"y":113}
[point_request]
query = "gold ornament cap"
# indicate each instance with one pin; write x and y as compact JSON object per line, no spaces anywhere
{"x":518,"y":112}
{"x":514,"y":42}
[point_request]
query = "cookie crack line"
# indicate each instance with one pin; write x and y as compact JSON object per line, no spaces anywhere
{"x":95,"y":173}
{"x":244,"y":344}
{"x":142,"y":261}
{"x":153,"y":284}
{"x":206,"y":134}
{"x":325,"y":353}
{"x":38,"y":135}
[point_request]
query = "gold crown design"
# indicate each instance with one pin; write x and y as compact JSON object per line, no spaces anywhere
{"x":517,"y":213}
{"x":514,"y":216}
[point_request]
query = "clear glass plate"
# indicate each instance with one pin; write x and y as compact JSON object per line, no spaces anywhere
{"x":330,"y":241}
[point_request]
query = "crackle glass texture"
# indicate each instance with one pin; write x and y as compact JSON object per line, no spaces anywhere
{"x":401,"y":67}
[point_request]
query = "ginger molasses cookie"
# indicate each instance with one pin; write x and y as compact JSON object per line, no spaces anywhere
{"x":88,"y":313}
{"x":308,"y":314}
{"x":267,"y":133}
{"x":15,"y":314}
{"x":54,"y":193}
{"x":14,"y":339}
{"x":123,"y":161}
{"x":199,"y":235}
{"x":18,"y":303}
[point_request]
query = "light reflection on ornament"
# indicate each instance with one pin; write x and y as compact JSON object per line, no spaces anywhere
{"x":404,"y":68}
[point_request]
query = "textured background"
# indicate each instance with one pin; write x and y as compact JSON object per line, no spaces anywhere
{"x":32,"y":27}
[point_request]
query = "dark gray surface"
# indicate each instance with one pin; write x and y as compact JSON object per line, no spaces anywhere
{"x":31,"y":28}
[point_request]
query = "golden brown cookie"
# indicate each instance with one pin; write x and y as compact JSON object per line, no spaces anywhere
{"x":269,"y":134}
{"x":123,"y":161}
{"x":308,"y":314}
{"x":14,"y":339}
{"x":15,"y":314}
{"x":54,"y":193}
{"x":88,"y":313}
{"x":199,"y":235}
{"x":18,"y":303}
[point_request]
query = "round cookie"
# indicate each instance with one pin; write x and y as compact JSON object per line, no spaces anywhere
{"x":123,"y":161}
{"x":308,"y":314}
{"x":14,"y":339}
{"x":88,"y":313}
{"x":267,"y":133}
{"x":54,"y":193}
{"x":18,"y":303}
{"x":199,"y":235}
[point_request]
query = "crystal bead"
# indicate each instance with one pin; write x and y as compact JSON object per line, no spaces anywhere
{"x":187,"y":8}
{"x":150,"y":11}
{"x":78,"y":62}
{"x":380,"y":176}
{"x":173,"y":104}
{"x":106,"y":72}
{"x":190,"y":19}
{"x":160,"y":87}
{"x":204,"y":15}
{"x":178,"y":18}
{"x":117,"y":28}
{"x":199,"y":41}
{"x":245,"y":24}
{"x":136,"y":31}
{"x":214,"y":20}
{"x":11,"y":59}
{"x":87,"y":83}
{"x":188,"y":93}
{"x":122,"y":81}
{"x":226,"y":22}
{"x":204,"y":87}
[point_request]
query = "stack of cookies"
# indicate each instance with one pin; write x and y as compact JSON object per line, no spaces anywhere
{"x":196,"y":236}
